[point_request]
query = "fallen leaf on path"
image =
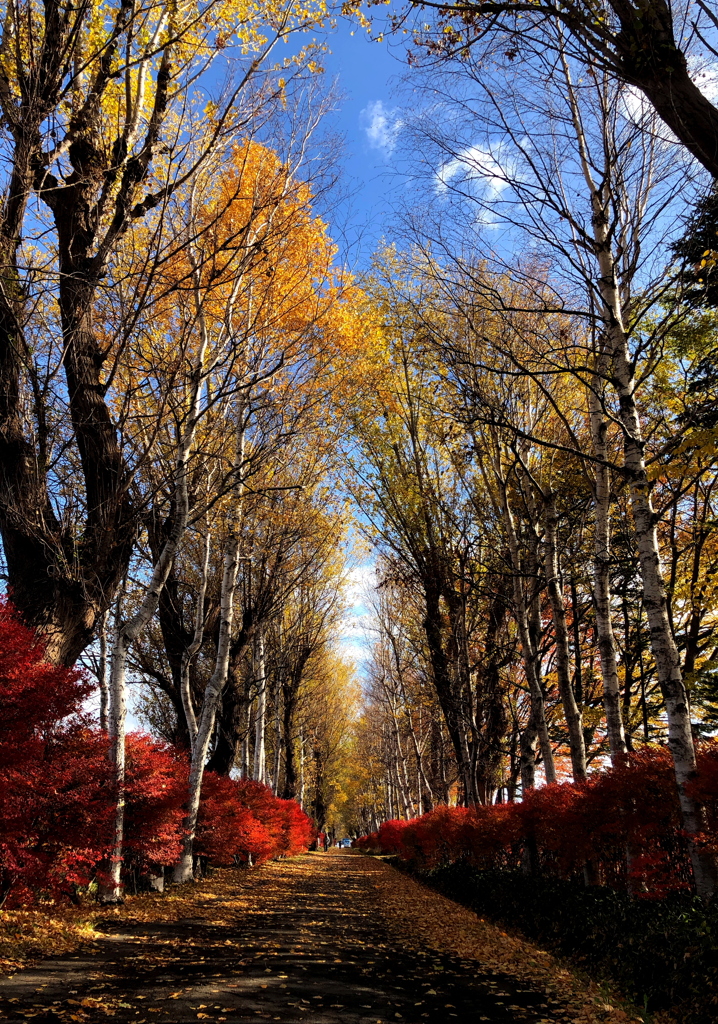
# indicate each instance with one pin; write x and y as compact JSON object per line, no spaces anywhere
{"x":417,"y":915}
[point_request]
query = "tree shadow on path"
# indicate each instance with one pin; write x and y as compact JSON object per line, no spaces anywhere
{"x":312,"y":947}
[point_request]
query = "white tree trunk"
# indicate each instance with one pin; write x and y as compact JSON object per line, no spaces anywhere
{"x":127,"y":633}
{"x":111,"y":892}
{"x":571,"y":711}
{"x":260,"y":721}
{"x":184,"y":870}
{"x":422,"y":780}
{"x":244,"y":755}
{"x":663,"y":647}
{"x":192,"y":651}
{"x":601,"y":572}
{"x":400,"y":768}
{"x":536,"y":730}
{"x":102,"y":676}
{"x":277,"y":741}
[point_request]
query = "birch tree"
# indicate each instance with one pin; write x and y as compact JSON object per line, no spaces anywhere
{"x":652,"y":46}
{"x":219,"y":371}
{"x":597,"y":195}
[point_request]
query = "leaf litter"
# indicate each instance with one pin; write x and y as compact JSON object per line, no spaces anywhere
{"x":321,"y":922}
{"x":424,"y":918}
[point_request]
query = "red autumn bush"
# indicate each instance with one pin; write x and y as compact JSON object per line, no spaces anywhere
{"x":260,"y":800}
{"x":242,"y":820}
{"x":57,"y":794}
{"x":297,"y":829}
{"x":155,"y":791}
{"x":494,"y":835}
{"x":391,"y":838}
{"x":369,"y":843}
{"x":441,"y":834}
{"x":227,"y":830}
{"x":622,"y":828}
{"x":55,"y":790}
{"x":290,"y":828}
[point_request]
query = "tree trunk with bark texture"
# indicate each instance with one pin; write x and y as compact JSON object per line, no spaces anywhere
{"x":260,"y":722}
{"x":663,"y":647}
{"x":601,"y":570}
{"x":184,"y":869}
{"x":537,"y":729}
{"x":571,"y":711}
{"x":445,"y":687}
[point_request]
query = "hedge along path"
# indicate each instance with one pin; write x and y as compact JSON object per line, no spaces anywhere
{"x":331,"y":938}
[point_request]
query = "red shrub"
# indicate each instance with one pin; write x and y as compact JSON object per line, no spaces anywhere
{"x":241,"y":820}
{"x":227,"y":830}
{"x":57,"y":798}
{"x":263,"y":804}
{"x":156,"y":788}
{"x":55,"y":791}
{"x":436,"y":837}
{"x":369,"y":843}
{"x":494,"y":835}
{"x":298,"y":831}
{"x":622,"y":827}
{"x":391,"y":838}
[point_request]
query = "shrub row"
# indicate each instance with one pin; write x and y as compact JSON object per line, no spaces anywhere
{"x":528,"y":863}
{"x":621,"y":829}
{"x":57,"y":797}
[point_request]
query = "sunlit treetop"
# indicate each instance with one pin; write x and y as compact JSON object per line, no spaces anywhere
{"x":110,"y":99}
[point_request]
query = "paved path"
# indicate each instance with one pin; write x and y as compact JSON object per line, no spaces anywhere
{"x":313,"y":946}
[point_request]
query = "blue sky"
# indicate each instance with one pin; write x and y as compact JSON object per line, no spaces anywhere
{"x":367,"y":75}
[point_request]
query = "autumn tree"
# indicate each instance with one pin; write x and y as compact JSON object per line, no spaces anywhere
{"x":104,"y":129}
{"x":327,"y":718}
{"x":591,"y":204}
{"x":292,"y":314}
{"x":307,"y":624}
{"x":421,"y":498}
{"x":224,"y":313}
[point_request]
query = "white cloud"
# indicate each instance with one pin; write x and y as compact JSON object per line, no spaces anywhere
{"x":475,"y":166}
{"x":705,"y":76}
{"x":360,"y":582}
{"x":357,"y":621}
{"x":354,"y":651}
{"x":639,"y":111}
{"x":482,"y":173}
{"x":381,"y":126}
